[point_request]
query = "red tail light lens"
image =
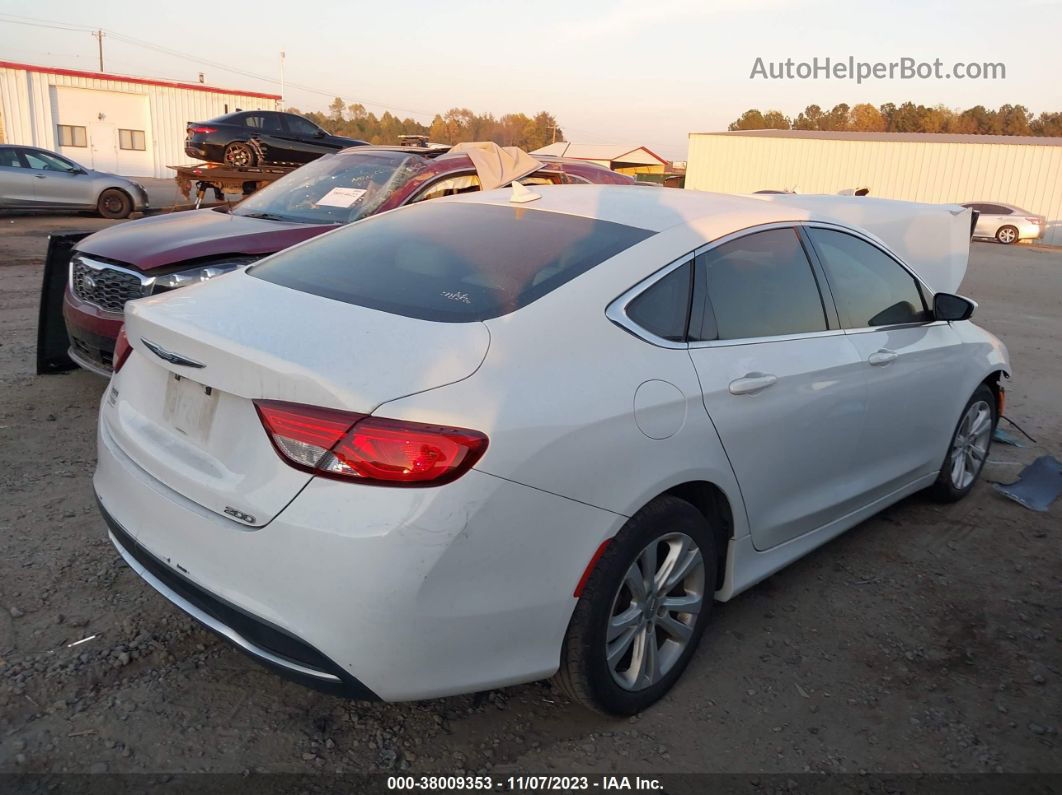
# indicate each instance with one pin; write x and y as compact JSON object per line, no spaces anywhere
{"x":349,"y":446}
{"x":122,"y":349}
{"x":198,"y":128}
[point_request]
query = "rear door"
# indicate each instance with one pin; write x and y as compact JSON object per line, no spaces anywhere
{"x":911,"y":362}
{"x":780,"y":381}
{"x":268,"y":129}
{"x":17,"y":182}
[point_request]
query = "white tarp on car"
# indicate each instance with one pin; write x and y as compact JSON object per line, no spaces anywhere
{"x":933,"y":239}
{"x":496,"y":165}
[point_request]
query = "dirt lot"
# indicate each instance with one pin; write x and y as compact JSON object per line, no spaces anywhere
{"x":927,"y":639}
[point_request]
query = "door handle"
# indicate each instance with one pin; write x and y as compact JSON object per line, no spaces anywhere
{"x":751,"y":383}
{"x":882,"y":357}
{"x":39,"y":176}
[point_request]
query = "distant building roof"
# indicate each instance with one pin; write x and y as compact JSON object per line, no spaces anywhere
{"x":147,"y":81}
{"x":639,"y":155}
{"x":922,"y":138}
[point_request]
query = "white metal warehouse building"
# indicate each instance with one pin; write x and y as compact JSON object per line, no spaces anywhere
{"x":132,"y":126}
{"x":1023,"y":171}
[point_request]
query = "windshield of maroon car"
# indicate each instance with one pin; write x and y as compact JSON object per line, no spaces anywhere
{"x":334,"y":189}
{"x":449,"y":261}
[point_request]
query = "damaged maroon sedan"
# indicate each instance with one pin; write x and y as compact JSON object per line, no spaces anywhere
{"x":153,"y":255}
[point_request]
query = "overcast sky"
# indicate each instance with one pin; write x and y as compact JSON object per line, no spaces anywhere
{"x":634,"y":71}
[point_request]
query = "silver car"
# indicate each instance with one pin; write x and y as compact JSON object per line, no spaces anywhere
{"x":36,"y":179}
{"x":1007,"y":223}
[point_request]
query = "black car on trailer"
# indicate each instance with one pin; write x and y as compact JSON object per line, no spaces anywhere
{"x":250,"y":138}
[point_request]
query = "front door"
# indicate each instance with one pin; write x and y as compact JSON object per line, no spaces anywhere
{"x":910,"y":361}
{"x":58,"y":182}
{"x":782,"y":384}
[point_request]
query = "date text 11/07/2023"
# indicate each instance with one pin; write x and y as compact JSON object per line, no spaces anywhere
{"x":529,"y":783}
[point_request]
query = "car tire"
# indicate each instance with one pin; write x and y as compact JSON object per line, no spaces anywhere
{"x":1008,"y":235}
{"x":240,"y":155}
{"x":114,"y":203}
{"x":643,"y":627}
{"x":968,"y":448}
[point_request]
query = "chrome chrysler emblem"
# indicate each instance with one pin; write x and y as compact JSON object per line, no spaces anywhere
{"x":170,"y":356}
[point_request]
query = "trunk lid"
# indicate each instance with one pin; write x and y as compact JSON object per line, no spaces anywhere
{"x":195,"y":428}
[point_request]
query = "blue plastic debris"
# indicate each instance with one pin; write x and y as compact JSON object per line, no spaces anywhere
{"x":1001,"y":436}
{"x":1037,"y":485}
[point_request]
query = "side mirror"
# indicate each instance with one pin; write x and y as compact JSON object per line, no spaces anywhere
{"x":952,"y":307}
{"x":76,"y":170}
{"x":320,"y":134}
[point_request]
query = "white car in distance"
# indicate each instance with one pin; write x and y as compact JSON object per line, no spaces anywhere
{"x":478,"y":442}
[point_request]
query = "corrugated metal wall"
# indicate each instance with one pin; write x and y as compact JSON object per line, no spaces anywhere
{"x":1024,"y":175}
{"x":26,"y":110}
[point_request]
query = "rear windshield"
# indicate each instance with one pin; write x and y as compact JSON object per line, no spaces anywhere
{"x":450,"y":262}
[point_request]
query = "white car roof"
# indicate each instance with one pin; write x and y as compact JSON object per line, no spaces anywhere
{"x":933,"y":239}
{"x":650,"y":208}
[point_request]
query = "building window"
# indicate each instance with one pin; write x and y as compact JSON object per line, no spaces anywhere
{"x":131,"y":139}
{"x":72,"y":136}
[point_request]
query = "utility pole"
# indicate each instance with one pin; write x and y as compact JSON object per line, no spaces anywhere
{"x":554,"y":128}
{"x":98,"y":35}
{"x":282,"y":80}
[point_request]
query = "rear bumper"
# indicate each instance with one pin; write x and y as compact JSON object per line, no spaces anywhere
{"x":92,"y":333}
{"x":269,"y":645}
{"x":205,"y":151}
{"x":410,"y":593}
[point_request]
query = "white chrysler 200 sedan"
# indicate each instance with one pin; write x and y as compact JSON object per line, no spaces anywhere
{"x":485,"y":440}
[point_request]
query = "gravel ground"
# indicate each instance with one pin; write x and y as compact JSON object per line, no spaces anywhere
{"x":926,"y":639}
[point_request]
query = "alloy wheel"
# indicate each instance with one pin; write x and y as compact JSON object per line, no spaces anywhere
{"x":970,"y":445}
{"x":654,"y":611}
{"x":238,"y":156}
{"x":1007,"y":235}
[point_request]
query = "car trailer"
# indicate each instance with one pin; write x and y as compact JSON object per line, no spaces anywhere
{"x":224,"y":179}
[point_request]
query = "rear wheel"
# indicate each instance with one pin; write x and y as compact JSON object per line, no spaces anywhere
{"x":642,"y":611}
{"x":1007,"y":234}
{"x":969,"y":447}
{"x":114,"y":203}
{"x":239,"y":155}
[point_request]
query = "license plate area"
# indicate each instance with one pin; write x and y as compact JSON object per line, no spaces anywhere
{"x":190,"y":407}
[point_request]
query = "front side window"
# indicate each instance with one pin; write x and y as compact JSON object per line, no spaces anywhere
{"x":449,"y":261}
{"x":760,"y":285}
{"x":70,"y":135}
{"x":132,"y":139}
{"x":45,"y":161}
{"x":663,"y":308}
{"x":870,"y":287}
{"x":300,"y":126}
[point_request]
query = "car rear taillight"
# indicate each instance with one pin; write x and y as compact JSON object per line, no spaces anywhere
{"x":349,"y":446}
{"x":1036,"y":221}
{"x":198,"y":128}
{"x":122,"y":349}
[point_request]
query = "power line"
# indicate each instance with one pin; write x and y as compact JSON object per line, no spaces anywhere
{"x":43,"y":23}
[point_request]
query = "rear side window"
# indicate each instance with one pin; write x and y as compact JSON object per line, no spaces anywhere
{"x":449,"y":262}
{"x":870,"y":287}
{"x":663,"y":308}
{"x":760,"y":285}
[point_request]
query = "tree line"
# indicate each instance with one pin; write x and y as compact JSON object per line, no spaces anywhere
{"x":454,"y":126}
{"x":907,"y":117}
